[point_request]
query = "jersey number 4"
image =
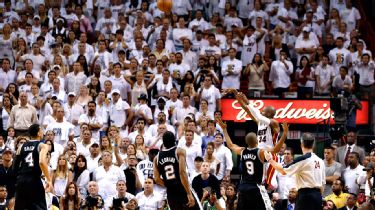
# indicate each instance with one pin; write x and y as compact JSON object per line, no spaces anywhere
{"x":29,"y":159}
{"x":169,"y":172}
{"x":250,"y":167}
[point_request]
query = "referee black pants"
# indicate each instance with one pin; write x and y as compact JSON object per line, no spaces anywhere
{"x":309,"y":199}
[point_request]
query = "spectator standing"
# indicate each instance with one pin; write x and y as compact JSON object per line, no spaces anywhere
{"x":22,"y":116}
{"x":280,"y":74}
{"x":351,"y":146}
{"x":107,"y":175}
{"x":333,"y":170}
{"x":352,"y":172}
{"x":231,"y":71}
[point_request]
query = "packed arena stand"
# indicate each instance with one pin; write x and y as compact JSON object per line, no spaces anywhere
{"x":105,"y":80}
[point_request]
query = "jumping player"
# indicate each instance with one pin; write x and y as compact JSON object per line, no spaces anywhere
{"x":170,"y":163}
{"x":30,"y":162}
{"x":251,"y":192}
{"x":268,"y":130}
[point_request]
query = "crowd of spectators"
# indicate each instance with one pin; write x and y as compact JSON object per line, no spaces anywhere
{"x":107,"y":78}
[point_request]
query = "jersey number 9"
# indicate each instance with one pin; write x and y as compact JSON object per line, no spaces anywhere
{"x":250,"y":167}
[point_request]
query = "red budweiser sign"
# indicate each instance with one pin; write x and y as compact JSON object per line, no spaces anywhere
{"x":291,"y":111}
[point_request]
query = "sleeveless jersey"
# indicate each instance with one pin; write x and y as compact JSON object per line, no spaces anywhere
{"x":252,"y":166}
{"x":168,"y":167}
{"x":265,"y":138}
{"x":29,"y":155}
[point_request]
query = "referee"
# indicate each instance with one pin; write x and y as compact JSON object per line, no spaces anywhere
{"x":310,"y":175}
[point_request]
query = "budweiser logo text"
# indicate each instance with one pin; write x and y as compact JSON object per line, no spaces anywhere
{"x":291,"y":111}
{"x":288,"y":111}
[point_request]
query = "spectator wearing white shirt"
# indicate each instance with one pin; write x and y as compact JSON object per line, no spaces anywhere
{"x":149,"y":199}
{"x":324,"y":74}
{"x":179,"y":113}
{"x":93,"y":158}
{"x":160,"y":119}
{"x":352,"y":172}
{"x":142,"y":110}
{"x":107,"y":24}
{"x":224,"y":156}
{"x":73,"y":111}
{"x":36,"y":56}
{"x":306,"y":45}
{"x":119,"y":111}
{"x":286,"y":182}
{"x":209,"y":93}
{"x":107,"y":176}
{"x":178,"y":69}
{"x":231,"y":19}
{"x":119,"y":82}
{"x":94,"y":121}
{"x":211,"y":48}
{"x":366,"y":71}
{"x":29,"y":67}
{"x":351,"y":16}
{"x":192,"y":150}
{"x":280,"y":74}
{"x":64,"y":131}
{"x":83,"y":147}
{"x":339,"y":56}
{"x":74,"y":80}
{"x":258,"y":12}
{"x":102,"y":56}
{"x":173,"y":101}
{"x":181,"y":33}
{"x":189,"y":57}
{"x":231,"y":71}
{"x":58,"y":92}
{"x":342,"y":81}
{"x":140,"y":131}
{"x":198,"y":23}
{"x":7,"y":74}
{"x":122,"y":196}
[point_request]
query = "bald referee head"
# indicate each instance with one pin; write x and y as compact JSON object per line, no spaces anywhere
{"x":307,"y":142}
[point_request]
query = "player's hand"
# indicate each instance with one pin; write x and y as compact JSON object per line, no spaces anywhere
{"x":285,"y":126}
{"x":267,"y":155}
{"x":191,"y":202}
{"x":222,"y":124}
{"x":241,"y":98}
{"x":49,"y":187}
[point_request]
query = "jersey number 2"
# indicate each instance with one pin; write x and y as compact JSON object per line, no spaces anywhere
{"x":250,"y":167}
{"x":29,"y":160}
{"x":169,"y":172}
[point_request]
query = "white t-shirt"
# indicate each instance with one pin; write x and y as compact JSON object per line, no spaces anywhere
{"x":62,"y":131}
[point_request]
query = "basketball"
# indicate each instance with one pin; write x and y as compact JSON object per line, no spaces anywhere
{"x":165,"y":5}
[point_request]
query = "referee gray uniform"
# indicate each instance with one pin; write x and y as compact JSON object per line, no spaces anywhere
{"x":309,"y":171}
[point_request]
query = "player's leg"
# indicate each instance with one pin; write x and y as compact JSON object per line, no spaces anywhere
{"x":38,"y":196}
{"x":22,"y":200}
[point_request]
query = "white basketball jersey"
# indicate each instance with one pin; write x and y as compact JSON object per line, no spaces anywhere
{"x":265,"y":138}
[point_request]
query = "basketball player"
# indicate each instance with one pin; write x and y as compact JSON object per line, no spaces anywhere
{"x":30,"y":162}
{"x":268,"y":130}
{"x":170,"y":164}
{"x":310,"y":175}
{"x":251,"y":192}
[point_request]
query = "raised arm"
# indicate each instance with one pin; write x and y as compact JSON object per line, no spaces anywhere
{"x":234,"y":147}
{"x":279,"y":144}
{"x":276,"y":165}
{"x":181,"y":154}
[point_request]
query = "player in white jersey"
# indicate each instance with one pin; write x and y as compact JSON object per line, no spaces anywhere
{"x":268,"y":130}
{"x":310,"y":175}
